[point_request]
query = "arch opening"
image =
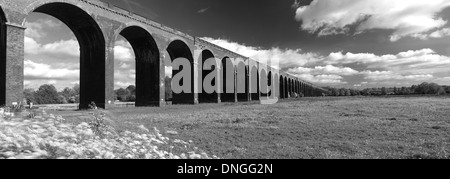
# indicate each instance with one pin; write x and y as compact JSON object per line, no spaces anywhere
{"x":147,"y":66}
{"x":255,"y":84}
{"x":282,"y":91}
{"x":2,"y":58}
{"x":179,"y":49}
{"x":286,"y":88}
{"x":205,"y":97}
{"x":89,"y":49}
{"x":242,"y":80}
{"x":270,"y":86}
{"x":229,"y":81}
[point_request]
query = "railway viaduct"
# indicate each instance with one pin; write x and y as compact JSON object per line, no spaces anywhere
{"x":97,"y":25}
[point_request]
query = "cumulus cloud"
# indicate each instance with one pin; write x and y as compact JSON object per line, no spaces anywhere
{"x":323,"y":79}
{"x":280,"y":58}
{"x":122,"y":84}
{"x":36,"y":29}
{"x":35,"y":70}
{"x":125,"y":66}
{"x":440,"y":33}
{"x":389,"y":75}
{"x":64,"y":49}
{"x":340,"y":68}
{"x":329,"y":69}
{"x":123,"y":51}
{"x":413,"y":61}
{"x":412,"y":18}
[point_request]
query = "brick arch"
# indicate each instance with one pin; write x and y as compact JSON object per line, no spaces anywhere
{"x":148,"y":65}
{"x":179,"y":49}
{"x":91,"y":40}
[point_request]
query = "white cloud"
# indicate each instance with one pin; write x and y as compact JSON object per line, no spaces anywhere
{"x":61,"y":49}
{"x":123,"y":53}
{"x":406,"y":17}
{"x":36,"y":29}
{"x":125,"y":66}
{"x":35,"y":70}
{"x":26,"y":83}
{"x":340,"y":68}
{"x":283,"y":58}
{"x":120,"y":84}
{"x":125,"y":75}
{"x":389,"y":76}
{"x":323,"y":79}
{"x":329,"y":69}
{"x":443,"y":80}
{"x":413,"y":61}
{"x":52,"y":82}
{"x":441,"y":33}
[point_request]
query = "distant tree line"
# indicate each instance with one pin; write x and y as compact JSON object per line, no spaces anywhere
{"x":422,"y":89}
{"x":129,"y":94}
{"x":126,"y":95}
{"x":47,"y":94}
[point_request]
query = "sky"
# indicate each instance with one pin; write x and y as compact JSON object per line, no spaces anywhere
{"x":337,"y":43}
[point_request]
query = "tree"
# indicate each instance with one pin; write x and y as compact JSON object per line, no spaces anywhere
{"x":68,"y":93}
{"x":348,"y":92}
{"x":122,"y":94}
{"x":447,"y":89}
{"x":29,"y":96}
{"x":384,"y":91}
{"x":76,"y":89}
{"x":47,"y":94}
{"x":405,"y":91}
{"x":441,"y":91}
{"x":334,"y":92}
{"x":132,"y":90}
{"x":367,"y":92}
{"x":342,"y":92}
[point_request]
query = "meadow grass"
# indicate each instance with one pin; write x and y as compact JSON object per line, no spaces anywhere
{"x":331,"y":127}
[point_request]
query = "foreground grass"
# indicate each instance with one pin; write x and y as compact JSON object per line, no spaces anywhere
{"x":308,"y":128}
{"x":50,"y":137}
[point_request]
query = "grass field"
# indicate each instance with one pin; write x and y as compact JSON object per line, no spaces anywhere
{"x":417,"y":127}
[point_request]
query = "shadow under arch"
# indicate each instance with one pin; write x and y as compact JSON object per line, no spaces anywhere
{"x":179,"y":49}
{"x":255,"y":83}
{"x":242,"y":82}
{"x":270,"y":85}
{"x":147,"y":65}
{"x":229,"y":80}
{"x":2,"y":57}
{"x":282,"y":86}
{"x":92,"y":49}
{"x":286,"y":88}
